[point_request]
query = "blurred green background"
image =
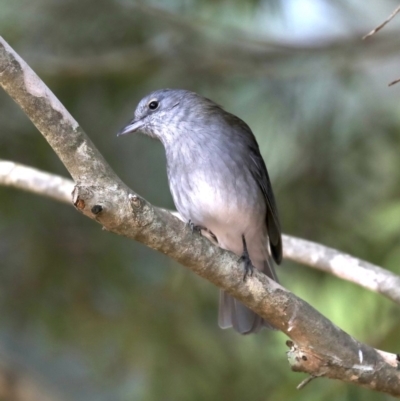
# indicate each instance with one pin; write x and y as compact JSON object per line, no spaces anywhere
{"x":86,"y":315}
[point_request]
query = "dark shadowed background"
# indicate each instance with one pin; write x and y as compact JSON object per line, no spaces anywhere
{"x":87,"y":315}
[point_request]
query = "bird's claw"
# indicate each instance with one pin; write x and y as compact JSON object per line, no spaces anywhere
{"x":248,"y":266}
{"x":194,"y":227}
{"x":245,"y":259}
{"x":198,"y":229}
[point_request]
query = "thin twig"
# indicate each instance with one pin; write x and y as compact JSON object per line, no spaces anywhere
{"x":306,"y":381}
{"x":396,"y":81}
{"x":379,"y":27}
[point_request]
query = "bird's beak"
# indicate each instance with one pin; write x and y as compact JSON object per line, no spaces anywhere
{"x":133,"y":126}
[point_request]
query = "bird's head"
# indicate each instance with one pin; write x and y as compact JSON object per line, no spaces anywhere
{"x":154,"y":112}
{"x":166,"y":113}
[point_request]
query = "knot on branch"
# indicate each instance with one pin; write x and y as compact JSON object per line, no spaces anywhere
{"x":142,"y":213}
{"x":96,"y":209}
{"x":90,"y":200}
{"x":297,"y":357}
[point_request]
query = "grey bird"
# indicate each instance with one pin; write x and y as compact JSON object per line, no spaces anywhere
{"x":219,"y":184}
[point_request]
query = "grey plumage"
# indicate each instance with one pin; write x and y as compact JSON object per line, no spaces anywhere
{"x":218,"y":180}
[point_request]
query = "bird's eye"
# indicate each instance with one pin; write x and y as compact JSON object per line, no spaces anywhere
{"x":153,"y":105}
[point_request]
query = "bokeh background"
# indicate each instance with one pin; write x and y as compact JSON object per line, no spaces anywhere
{"x":87,"y":315}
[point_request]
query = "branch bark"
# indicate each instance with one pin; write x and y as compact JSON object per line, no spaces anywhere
{"x":319,"y":347}
{"x":298,"y":250}
{"x":35,"y":181}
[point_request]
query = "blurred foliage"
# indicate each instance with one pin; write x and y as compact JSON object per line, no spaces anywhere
{"x":130,"y":323}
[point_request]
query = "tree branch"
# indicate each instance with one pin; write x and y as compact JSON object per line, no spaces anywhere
{"x":225,"y":49}
{"x":221,"y":57}
{"x":298,"y":250}
{"x":36,"y":181}
{"x":319,"y":347}
{"x":344,"y":266}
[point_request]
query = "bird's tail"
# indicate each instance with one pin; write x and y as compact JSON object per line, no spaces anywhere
{"x":232,"y":313}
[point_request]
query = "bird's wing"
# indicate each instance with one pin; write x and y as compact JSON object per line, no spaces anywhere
{"x":259,"y":171}
{"x":260,"y":174}
{"x":241,"y":133}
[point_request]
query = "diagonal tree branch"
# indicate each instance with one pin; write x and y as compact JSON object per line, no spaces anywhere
{"x":295,"y":249}
{"x":319,"y":347}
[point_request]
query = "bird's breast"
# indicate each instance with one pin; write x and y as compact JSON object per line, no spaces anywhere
{"x":200,"y":196}
{"x":218,"y":196}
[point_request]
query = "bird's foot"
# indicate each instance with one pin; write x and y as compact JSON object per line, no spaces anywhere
{"x":195,"y":228}
{"x":245,"y":258}
{"x":199,"y":229}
